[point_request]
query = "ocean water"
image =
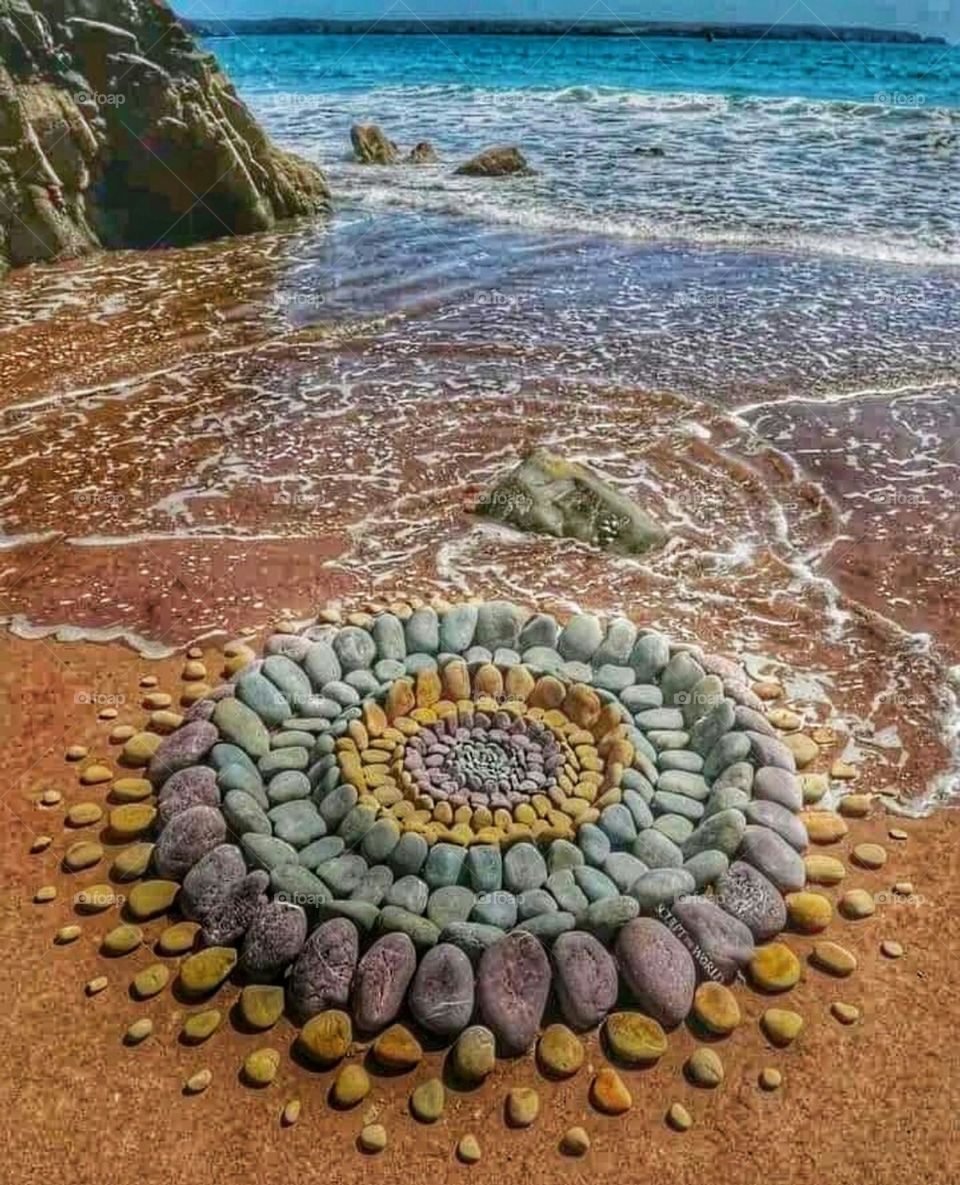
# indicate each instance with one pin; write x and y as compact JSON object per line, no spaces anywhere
{"x":839,"y":149}
{"x":752,"y":325}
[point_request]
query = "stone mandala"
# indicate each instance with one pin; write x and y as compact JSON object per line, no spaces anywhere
{"x":458,"y":814}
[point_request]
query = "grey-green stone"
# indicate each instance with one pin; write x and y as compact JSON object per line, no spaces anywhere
{"x":451,"y":903}
{"x":485,"y":867}
{"x":242,"y":726}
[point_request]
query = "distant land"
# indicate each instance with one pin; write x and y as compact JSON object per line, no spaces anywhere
{"x":558,"y":28}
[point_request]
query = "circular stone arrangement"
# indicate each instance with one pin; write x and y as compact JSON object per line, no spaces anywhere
{"x":460,"y":814}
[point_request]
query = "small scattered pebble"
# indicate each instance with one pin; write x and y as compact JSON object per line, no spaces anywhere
{"x":575,"y":1142}
{"x":67,"y":934}
{"x":76,"y":752}
{"x":679,"y":1117}
{"x":891,"y":949}
{"x":704,"y":1068}
{"x":199,"y":1026}
{"x":50,"y":797}
{"x":833,"y":958}
{"x":121,"y":940}
{"x":149,"y":681}
{"x":260,"y":1067}
{"x":198,"y":1083}
{"x":94,"y":898}
{"x":560,"y":1051}
{"x":609,"y":1094}
{"x":522,"y":1106}
{"x":178,"y":939}
{"x":94,"y":775}
{"x":469,"y":1149}
{"x":41,"y":843}
{"x":121,"y":733}
{"x":809,"y":912}
{"x":351,"y":1086}
{"x":95,"y":986}
{"x":775,"y":968}
{"x":781,"y":1025}
{"x":139,"y":1031}
{"x":898,"y":833}
{"x":107,"y":714}
{"x":716,"y":1007}
{"x":150,"y":981}
{"x":291,"y":1113}
{"x":857,"y":904}
{"x":373,"y":1138}
{"x":83,"y":854}
{"x":904,"y":888}
{"x":846,"y":1014}
{"x":45,"y":893}
{"x":427,"y":1101}
{"x":83,"y":814}
{"x":870,"y":855}
{"x":770,"y":1078}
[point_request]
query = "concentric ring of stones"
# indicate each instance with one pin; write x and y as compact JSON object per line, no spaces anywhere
{"x":610,"y":813}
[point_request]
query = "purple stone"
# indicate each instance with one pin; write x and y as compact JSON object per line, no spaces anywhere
{"x":513,"y":983}
{"x":585,"y":978}
{"x":381,"y":981}
{"x":658,"y":970}
{"x":194,"y":786}
{"x":720,"y":944}
{"x":324,"y":970}
{"x":273,"y":939}
{"x":441,"y":998}
{"x":746,"y":894}
{"x":187,"y":746}
{"x":188,"y":836}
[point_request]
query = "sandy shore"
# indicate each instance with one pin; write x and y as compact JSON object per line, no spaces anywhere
{"x":873,"y":1102}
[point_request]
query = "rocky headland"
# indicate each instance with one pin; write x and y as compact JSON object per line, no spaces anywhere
{"x":116,"y":130}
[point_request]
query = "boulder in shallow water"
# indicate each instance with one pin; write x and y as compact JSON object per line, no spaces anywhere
{"x":372,"y":146}
{"x":496,"y":162}
{"x":551,"y":496}
{"x":423,"y":154}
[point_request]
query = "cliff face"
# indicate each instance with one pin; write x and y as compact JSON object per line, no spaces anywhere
{"x":115,"y":130}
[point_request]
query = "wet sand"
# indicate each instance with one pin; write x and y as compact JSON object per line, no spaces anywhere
{"x":875,"y":1101}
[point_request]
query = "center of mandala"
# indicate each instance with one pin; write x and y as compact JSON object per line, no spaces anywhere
{"x":497,"y":761}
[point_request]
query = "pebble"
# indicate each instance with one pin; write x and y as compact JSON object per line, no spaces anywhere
{"x":781,"y":1025}
{"x":704,"y":1068}
{"x":833,"y":958}
{"x":824,"y":870}
{"x":93,"y":775}
{"x":151,"y":981}
{"x":609,"y":1094}
{"x":427,"y":1101}
{"x":716,"y":1007}
{"x":122,"y":939}
{"x":67,"y":934}
{"x":291,"y":1113}
{"x":397,"y":1049}
{"x":178,"y":939}
{"x":373,"y":1138}
{"x":121,"y":733}
{"x":560,"y":1052}
{"x":634,"y":1039}
{"x":584,"y":978}
{"x":45,"y":893}
{"x":261,"y":1005}
{"x":131,"y":790}
{"x":891,"y":949}
{"x":770,"y":1078}
{"x":76,"y":752}
{"x":198,"y":1083}
{"x":132,"y":861}
{"x":97,"y":985}
{"x":870,"y":855}
{"x":855,"y":806}
{"x":326,"y":1038}
{"x":575,"y":1142}
{"x":469,"y":1149}
{"x":41,"y":843}
{"x":441,"y":997}
{"x":203,"y":972}
{"x":201,"y":1025}
{"x":513,"y":984}
{"x":83,"y":814}
{"x":149,"y":899}
{"x":474,"y":1055}
{"x":809,"y":912}
{"x":260,"y":1067}
{"x":824,"y":826}
{"x":658,"y":970}
{"x":775,"y":968}
{"x":84,"y":854}
{"x":846,"y":1014}
{"x":132,"y":819}
{"x":898,"y":833}
{"x":904,"y":888}
{"x":51,"y":797}
{"x":139,"y":1031}
{"x":351,"y":1086}
{"x":679,"y":1117}
{"x":522,"y":1106}
{"x":856,"y":904}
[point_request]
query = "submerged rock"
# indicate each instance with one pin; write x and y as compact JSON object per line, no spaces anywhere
{"x":372,"y":146}
{"x":551,"y":496}
{"x":495,"y":162}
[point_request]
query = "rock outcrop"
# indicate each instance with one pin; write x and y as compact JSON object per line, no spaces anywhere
{"x":372,"y":146}
{"x":495,"y":162}
{"x":117,"y":131}
{"x":547,"y":494}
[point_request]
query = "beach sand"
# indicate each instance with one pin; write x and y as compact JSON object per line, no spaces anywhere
{"x":876,"y":1101}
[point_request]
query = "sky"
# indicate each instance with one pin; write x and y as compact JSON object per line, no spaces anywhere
{"x":923,"y":16}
